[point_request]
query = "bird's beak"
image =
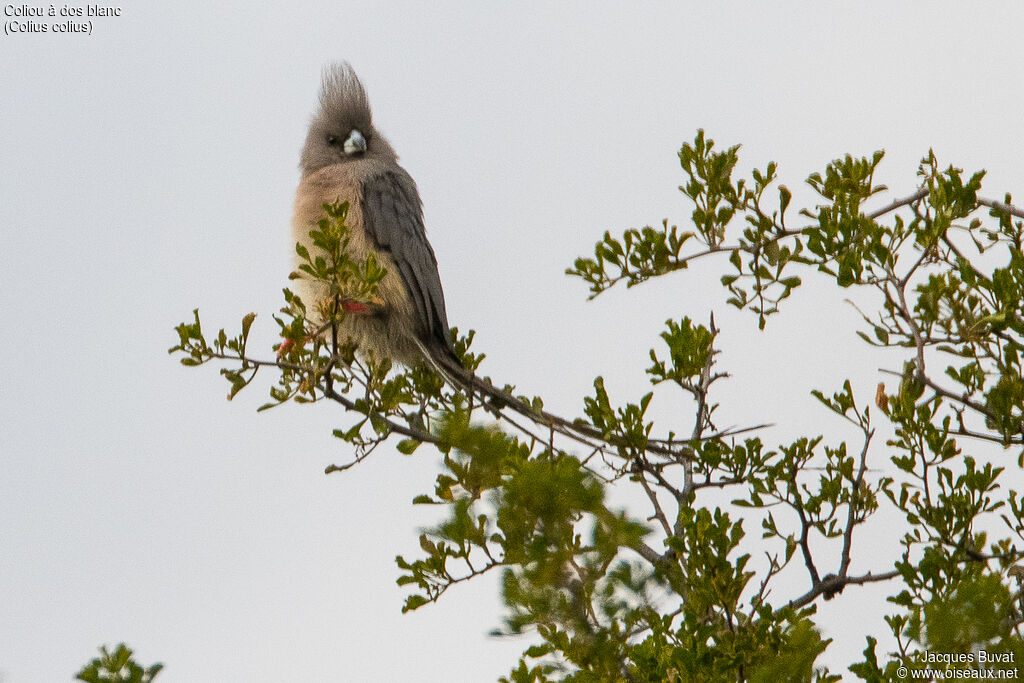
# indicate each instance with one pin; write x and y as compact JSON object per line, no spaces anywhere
{"x":355,"y":143}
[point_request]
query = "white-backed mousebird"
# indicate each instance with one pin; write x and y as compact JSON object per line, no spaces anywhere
{"x":345,"y":159}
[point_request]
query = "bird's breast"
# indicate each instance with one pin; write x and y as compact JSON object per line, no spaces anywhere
{"x":327,"y":186}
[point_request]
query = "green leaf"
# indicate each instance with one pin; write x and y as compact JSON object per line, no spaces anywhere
{"x":414,"y":602}
{"x":408,"y":446}
{"x":424,"y":499}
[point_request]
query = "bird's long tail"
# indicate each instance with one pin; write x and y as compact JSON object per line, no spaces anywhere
{"x":446,"y":364}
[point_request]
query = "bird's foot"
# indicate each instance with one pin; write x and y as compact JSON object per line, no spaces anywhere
{"x":371,"y":306}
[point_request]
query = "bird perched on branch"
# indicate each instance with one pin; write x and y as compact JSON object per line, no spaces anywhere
{"x":345,"y":159}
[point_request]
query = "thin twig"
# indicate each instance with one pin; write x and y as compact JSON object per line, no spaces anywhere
{"x":805,"y":548}
{"x":1000,"y":206}
{"x":659,"y":514}
{"x":851,"y":513}
{"x":916,"y":197}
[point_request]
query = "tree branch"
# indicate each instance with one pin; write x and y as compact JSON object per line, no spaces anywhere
{"x":833,"y":585}
{"x":659,"y":514}
{"x":1000,"y":206}
{"x":905,"y":201}
{"x":851,"y":513}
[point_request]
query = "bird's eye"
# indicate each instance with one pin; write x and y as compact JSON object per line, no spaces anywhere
{"x":331,"y":140}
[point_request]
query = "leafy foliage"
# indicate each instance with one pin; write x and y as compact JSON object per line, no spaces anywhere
{"x":685,"y":593}
{"x":117,"y":667}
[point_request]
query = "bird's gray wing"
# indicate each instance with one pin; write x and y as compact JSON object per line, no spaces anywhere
{"x":393,"y":219}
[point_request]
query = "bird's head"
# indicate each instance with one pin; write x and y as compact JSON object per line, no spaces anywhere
{"x":342,"y":128}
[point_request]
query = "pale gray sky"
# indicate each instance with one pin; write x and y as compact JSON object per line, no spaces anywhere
{"x":149,"y":168}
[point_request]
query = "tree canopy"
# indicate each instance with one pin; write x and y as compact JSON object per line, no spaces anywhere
{"x":683,"y":589}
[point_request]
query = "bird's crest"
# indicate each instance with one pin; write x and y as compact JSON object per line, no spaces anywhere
{"x":342,"y":97}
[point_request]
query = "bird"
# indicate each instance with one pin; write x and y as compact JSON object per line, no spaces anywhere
{"x":346,"y":159}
